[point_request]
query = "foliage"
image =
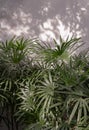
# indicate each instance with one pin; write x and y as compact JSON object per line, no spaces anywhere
{"x":57,"y":50}
{"x":13,"y":66}
{"x":42,"y":87}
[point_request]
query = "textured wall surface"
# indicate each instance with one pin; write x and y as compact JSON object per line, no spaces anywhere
{"x":46,"y":19}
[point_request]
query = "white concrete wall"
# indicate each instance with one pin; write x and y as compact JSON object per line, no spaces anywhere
{"x":46,"y":19}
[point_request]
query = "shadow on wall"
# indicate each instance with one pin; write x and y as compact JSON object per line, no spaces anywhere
{"x":46,"y":19}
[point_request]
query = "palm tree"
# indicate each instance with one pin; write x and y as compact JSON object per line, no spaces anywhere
{"x":13,"y":66}
{"x":42,"y":87}
{"x":61,"y":50}
{"x":58,"y":96}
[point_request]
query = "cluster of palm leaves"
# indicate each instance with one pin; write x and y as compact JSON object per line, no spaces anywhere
{"x":44,"y":86}
{"x":13,"y":67}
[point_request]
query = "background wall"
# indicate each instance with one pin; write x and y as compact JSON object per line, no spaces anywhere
{"x":45,"y":19}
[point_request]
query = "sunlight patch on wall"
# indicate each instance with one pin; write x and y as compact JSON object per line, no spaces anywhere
{"x":64,"y":31}
{"x":18,"y":30}
{"x":22,"y":16}
{"x":46,"y":30}
{"x":52,"y":29}
{"x":45,"y":8}
{"x":18,"y":24}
